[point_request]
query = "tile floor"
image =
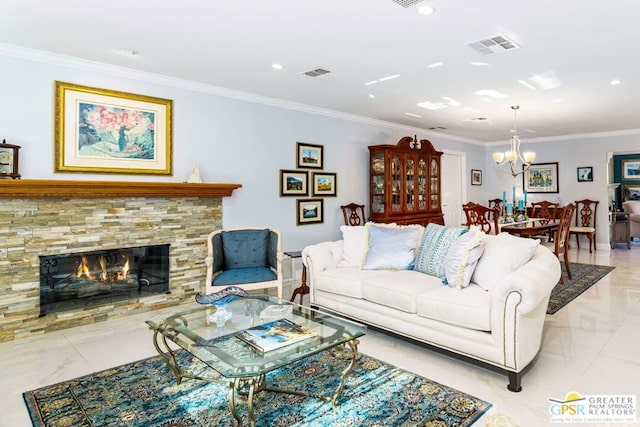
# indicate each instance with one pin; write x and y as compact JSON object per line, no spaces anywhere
{"x":592,"y":346}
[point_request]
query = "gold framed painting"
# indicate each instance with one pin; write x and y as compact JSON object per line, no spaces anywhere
{"x":107,"y":131}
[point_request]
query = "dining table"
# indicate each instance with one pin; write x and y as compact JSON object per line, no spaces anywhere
{"x":530,"y":227}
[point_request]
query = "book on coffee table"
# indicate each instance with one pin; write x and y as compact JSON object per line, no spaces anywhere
{"x":274,"y":335}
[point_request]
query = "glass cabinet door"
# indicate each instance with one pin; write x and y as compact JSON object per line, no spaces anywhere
{"x":434,"y":175}
{"x":410,"y":184}
{"x":396,"y":184}
{"x":422,"y":184}
{"x":377,"y":183}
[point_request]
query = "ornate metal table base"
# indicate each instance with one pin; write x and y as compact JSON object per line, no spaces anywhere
{"x":246,"y":386}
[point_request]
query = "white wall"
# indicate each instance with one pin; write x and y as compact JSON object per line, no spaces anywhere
{"x":230,"y":140}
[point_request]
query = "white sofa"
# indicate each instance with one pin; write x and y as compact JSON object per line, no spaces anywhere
{"x":501,"y":326}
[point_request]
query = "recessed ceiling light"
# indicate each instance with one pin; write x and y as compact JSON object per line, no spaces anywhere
{"x":277,"y":66}
{"x":615,"y":82}
{"x":393,"y":76}
{"x":426,"y":10}
{"x":429,"y":105}
{"x":435,"y":64}
{"x":479,"y":64}
{"x":527,"y":84}
{"x":414,"y":115}
{"x":372,"y":96}
{"x":451,"y":101}
{"x":557,"y":100}
{"x":127,"y":52}
{"x":372,"y":82}
{"x":491,"y":93}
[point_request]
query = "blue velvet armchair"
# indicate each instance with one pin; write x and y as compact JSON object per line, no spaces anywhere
{"x":249,"y":257}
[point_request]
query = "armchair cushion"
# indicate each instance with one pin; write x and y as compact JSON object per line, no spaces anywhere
{"x":240,"y":276}
{"x":245,"y":249}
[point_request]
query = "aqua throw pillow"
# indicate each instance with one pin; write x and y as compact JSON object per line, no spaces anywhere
{"x":391,"y":248}
{"x":245,"y":248}
{"x":432,"y":251}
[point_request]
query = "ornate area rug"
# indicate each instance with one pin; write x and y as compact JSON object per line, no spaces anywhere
{"x":144,"y":393}
{"x":584,"y":276}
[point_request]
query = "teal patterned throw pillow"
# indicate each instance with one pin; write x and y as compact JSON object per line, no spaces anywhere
{"x":432,"y":252}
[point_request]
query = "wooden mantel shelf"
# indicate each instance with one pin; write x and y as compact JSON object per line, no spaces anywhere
{"x":51,"y":189}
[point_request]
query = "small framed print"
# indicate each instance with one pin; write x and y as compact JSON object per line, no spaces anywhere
{"x":293,"y":183}
{"x":585,"y":174}
{"x":309,"y":156}
{"x":324,"y":184}
{"x":631,"y":169}
{"x":476,"y":177}
{"x":309,"y":211}
{"x":631,"y":192}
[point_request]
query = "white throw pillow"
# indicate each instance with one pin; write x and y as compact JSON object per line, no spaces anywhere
{"x":391,"y":247}
{"x":354,"y":246}
{"x":462,"y":258}
{"x":503,"y":253}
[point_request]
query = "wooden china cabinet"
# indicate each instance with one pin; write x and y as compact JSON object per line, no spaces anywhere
{"x":405,"y":183}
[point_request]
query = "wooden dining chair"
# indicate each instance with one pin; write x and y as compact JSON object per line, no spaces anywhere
{"x":353,"y":214}
{"x":586,"y":213}
{"x":484,"y":217}
{"x":561,"y":243}
{"x":546,"y":211}
{"x":495,"y":203}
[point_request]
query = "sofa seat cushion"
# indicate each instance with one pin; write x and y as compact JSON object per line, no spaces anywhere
{"x":345,"y":281}
{"x":398,"y":289}
{"x":239,"y":276}
{"x":469,"y":307}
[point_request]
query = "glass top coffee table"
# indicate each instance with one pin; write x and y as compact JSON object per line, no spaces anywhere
{"x":242,"y":366}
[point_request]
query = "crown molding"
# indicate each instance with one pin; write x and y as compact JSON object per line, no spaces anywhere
{"x":130,"y":73}
{"x":568,"y":137}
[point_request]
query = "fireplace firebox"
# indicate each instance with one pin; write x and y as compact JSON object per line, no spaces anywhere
{"x":88,"y":279}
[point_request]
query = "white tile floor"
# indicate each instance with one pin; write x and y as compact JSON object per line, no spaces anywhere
{"x":591,"y":346}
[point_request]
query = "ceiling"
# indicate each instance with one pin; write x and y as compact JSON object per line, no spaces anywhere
{"x":568,"y":53}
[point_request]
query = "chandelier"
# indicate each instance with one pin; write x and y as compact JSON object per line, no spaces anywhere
{"x":511,"y":156}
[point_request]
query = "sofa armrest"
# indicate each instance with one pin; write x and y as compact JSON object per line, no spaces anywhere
{"x":635,"y":217}
{"x":533,"y":282}
{"x":320,"y":257}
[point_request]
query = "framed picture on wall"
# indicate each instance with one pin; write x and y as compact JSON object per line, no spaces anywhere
{"x":293,"y":183}
{"x":107,"y":131}
{"x":325,"y":184}
{"x":309,"y":211}
{"x":585,"y":174}
{"x":631,"y":192}
{"x":476,"y":177}
{"x":309,"y":156}
{"x":541,"y":178}
{"x":631,"y":169}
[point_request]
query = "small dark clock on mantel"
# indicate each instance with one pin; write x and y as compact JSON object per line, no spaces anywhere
{"x":9,"y":160}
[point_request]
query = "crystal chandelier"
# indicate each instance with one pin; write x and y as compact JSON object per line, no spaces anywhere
{"x":513,"y":154}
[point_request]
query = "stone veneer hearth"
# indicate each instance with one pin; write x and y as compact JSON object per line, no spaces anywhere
{"x":47,"y":226}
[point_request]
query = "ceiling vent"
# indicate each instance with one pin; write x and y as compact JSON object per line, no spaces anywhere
{"x":317,"y":72}
{"x":494,"y":44}
{"x":407,"y":3}
{"x":437,"y":128}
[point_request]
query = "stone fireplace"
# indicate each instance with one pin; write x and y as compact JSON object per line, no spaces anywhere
{"x":42,"y":219}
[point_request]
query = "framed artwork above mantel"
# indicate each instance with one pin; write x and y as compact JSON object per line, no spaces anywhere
{"x":107,"y":131}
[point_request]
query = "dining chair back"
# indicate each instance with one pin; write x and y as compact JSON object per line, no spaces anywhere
{"x":353,"y":214}
{"x":484,"y":217}
{"x":585,"y":224}
{"x":545,"y":210}
{"x":561,"y":244}
{"x":495,"y":203}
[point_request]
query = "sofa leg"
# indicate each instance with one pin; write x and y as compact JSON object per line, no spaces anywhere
{"x":514,"y":381}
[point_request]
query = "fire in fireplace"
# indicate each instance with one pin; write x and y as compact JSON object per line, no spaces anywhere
{"x":88,"y":279}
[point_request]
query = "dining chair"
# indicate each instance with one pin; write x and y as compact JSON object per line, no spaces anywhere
{"x":484,"y":217}
{"x":353,"y":214}
{"x":546,"y":211}
{"x":586,"y":214}
{"x":561,"y":241}
{"x":495,"y":203}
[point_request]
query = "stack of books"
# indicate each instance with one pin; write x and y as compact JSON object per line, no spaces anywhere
{"x":274,"y":335}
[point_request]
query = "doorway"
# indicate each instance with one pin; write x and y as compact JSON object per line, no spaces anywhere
{"x":453,"y":167}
